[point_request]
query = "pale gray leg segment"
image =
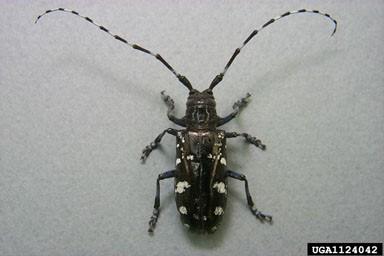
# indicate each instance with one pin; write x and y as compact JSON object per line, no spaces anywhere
{"x":248,"y":138}
{"x":148,"y":149}
{"x":259,"y":215}
{"x":171,"y":107}
{"x":237,"y":106}
{"x":156,"y":210}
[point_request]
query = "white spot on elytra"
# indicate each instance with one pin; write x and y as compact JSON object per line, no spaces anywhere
{"x":209,"y":155}
{"x":218,"y":211}
{"x":220,"y":186}
{"x":223,"y":161}
{"x":178,"y":145}
{"x":190,"y":157}
{"x":183,"y":210}
{"x":178,"y":161}
{"x":181,"y":186}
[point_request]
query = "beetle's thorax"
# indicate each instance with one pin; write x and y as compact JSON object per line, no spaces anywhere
{"x":201,"y":111}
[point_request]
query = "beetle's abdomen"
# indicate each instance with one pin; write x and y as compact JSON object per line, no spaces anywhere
{"x":200,"y":184}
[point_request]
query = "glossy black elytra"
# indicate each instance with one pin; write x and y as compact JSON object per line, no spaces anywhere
{"x":201,"y":163}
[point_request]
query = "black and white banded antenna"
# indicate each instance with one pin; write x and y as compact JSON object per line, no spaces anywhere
{"x":181,"y":78}
{"x":220,"y":76}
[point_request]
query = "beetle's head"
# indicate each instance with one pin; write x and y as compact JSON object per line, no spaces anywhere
{"x":201,"y":110}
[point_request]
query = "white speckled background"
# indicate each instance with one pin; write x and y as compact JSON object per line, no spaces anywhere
{"x":77,"y":107}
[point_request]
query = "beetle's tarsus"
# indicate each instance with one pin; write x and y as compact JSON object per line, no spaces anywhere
{"x":154,"y":144}
{"x":261,"y":216}
{"x":167,"y":100}
{"x":152,"y":222}
{"x":145,"y":153}
{"x":238,"y":105}
{"x":156,"y":208}
{"x":253,"y":140}
{"x":170,"y":103}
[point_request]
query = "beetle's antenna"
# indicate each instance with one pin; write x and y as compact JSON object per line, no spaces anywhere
{"x":181,"y":78}
{"x":220,"y":76}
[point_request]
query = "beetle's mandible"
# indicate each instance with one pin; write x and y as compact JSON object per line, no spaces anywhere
{"x":201,"y":171}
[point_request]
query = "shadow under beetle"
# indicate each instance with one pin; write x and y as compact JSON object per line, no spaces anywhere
{"x":201,"y":163}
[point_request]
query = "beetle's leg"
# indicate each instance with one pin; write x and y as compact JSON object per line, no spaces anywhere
{"x":156,"y":210}
{"x":237,"y":106}
{"x":248,"y":138}
{"x":262,"y":217}
{"x":171,"y":106}
{"x":148,"y":149}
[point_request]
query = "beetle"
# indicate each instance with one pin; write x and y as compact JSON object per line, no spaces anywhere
{"x":201,"y":171}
